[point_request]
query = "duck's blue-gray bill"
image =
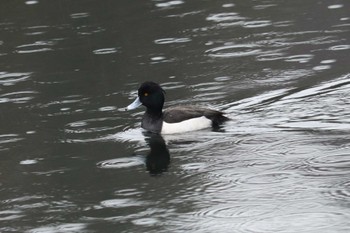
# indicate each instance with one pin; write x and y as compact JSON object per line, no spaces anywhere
{"x":134,"y":104}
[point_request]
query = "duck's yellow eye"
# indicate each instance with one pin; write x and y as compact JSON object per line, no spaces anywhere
{"x":145,"y":94}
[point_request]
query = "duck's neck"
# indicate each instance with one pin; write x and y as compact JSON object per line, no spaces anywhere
{"x":152,"y":121}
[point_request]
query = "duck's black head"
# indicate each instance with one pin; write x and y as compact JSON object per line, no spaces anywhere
{"x":151,"y":95}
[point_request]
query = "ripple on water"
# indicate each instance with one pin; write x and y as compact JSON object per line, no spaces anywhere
{"x":36,"y":47}
{"x":124,"y":162}
{"x":335,"y":6}
{"x":271,"y":56}
{"x":93,"y":125}
{"x":31,"y":2}
{"x":301,"y":58}
{"x":107,"y":108}
{"x":79,"y":15}
{"x":145,"y":221}
{"x":340,"y":47}
{"x":230,"y":51}
{"x":91,"y":129}
{"x":129,"y":135}
{"x":7,"y":215}
{"x":264,"y":6}
{"x":5,"y":139}
{"x":65,"y":227}
{"x":86,"y":30}
{"x":340,"y":191}
{"x":237,"y":210}
{"x":169,"y":3}
{"x":329,"y":165}
{"x":18,"y":97}
{"x":228,"y":5}
{"x":105,"y":51}
{"x":8,"y":79}
{"x":298,"y":222}
{"x":172,"y":40}
{"x":122,"y":203}
{"x":28,"y":162}
{"x":224,"y":17}
{"x":257,"y":24}
{"x":321,"y":67}
{"x":36,"y":30}
{"x":329,"y":61}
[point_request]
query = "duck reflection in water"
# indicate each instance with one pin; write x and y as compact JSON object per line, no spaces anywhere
{"x":158,"y":158}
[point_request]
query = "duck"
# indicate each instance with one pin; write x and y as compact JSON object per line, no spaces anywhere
{"x":177,"y":119}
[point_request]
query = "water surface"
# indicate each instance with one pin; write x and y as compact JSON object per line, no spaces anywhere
{"x":71,"y":161}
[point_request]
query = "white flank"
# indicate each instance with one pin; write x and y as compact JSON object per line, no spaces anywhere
{"x":187,"y":125}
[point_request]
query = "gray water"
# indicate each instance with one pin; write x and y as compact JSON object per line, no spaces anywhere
{"x":71,"y":161}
